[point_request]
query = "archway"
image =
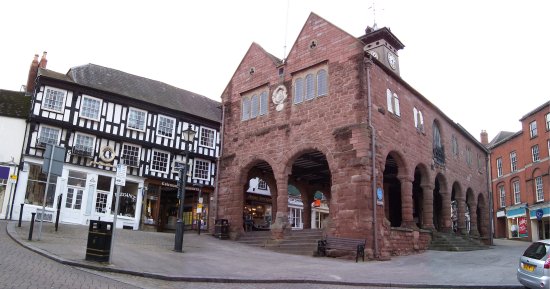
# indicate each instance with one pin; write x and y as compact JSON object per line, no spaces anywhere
{"x":418,"y":197}
{"x":310,"y":181}
{"x":392,"y":192}
{"x":260,"y":197}
{"x":482,"y":215}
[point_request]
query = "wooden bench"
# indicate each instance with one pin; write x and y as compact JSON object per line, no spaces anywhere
{"x":344,"y":244}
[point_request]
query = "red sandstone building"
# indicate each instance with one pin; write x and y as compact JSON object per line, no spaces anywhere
{"x":520,"y":178}
{"x":335,"y":117}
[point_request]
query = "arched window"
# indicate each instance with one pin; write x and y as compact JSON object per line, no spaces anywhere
{"x":438,"y":150}
{"x":298,"y":90}
{"x":263,"y":103}
{"x":322,"y":87}
{"x":310,"y":87}
{"x":389,"y":98}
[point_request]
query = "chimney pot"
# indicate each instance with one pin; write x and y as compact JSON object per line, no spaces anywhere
{"x":43,"y":60}
{"x":484,"y":137}
{"x":33,"y":72}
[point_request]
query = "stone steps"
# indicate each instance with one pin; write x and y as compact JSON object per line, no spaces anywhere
{"x":297,"y":242}
{"x":453,"y":242}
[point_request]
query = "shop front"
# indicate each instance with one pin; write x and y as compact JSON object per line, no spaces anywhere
{"x":540,"y":221}
{"x":517,"y":220}
{"x":161,"y":205}
{"x":257,"y":212}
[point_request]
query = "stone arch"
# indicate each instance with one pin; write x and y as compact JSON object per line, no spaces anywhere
{"x":398,"y":201}
{"x":482,"y":216}
{"x":255,"y":166}
{"x":457,"y":208}
{"x":441,"y":204}
{"x":423,"y":197}
{"x":285,"y":166}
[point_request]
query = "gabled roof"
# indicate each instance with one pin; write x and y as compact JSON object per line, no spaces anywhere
{"x":14,"y":104}
{"x":501,"y":137}
{"x":140,"y":88}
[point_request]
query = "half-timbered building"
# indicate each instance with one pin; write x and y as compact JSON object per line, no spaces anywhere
{"x":104,"y":117}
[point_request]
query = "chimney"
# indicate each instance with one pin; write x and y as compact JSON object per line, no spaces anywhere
{"x":43,"y":60}
{"x":484,"y":137}
{"x":33,"y":72}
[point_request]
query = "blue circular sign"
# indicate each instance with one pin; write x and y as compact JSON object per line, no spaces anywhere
{"x":539,"y":213}
{"x":379,"y":194}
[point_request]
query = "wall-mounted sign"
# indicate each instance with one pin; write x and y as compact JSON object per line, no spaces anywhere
{"x":379,"y":196}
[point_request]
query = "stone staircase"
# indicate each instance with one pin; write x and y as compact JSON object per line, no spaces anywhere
{"x":453,"y":242}
{"x":296,"y":242}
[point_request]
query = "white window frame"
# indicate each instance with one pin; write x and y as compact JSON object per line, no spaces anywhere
{"x":262,"y":185}
{"x":198,"y":170}
{"x":164,"y":133}
{"x":502,"y":195}
{"x":517,"y":193}
{"x":533,"y":129}
{"x":499,"y":167}
{"x":135,"y":126}
{"x":535,"y":153}
{"x":54,"y":104}
{"x":86,"y":111}
{"x":538,"y":189}
{"x":83,"y":135}
{"x":51,"y":128}
{"x":156,"y":154}
{"x":513,"y":161}
{"x":123,"y":154}
{"x":202,"y":137}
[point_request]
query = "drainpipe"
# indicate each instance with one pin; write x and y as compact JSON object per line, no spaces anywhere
{"x":373,"y":157}
{"x":216,"y":187}
{"x":490,"y":192}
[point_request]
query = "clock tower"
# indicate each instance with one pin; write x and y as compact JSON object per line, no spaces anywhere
{"x":383,"y":46}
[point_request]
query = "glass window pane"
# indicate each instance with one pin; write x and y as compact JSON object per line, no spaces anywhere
{"x":298,"y":90}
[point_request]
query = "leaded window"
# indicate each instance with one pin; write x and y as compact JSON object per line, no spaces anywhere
{"x":254,"y":106}
{"x":83,"y":145}
{"x":263,"y":103}
{"x":310,"y":87}
{"x":207,"y":137}
{"x":136,"y":119}
{"x":246,"y":108}
{"x":201,"y":170}
{"x":438,"y":150}
{"x":299,"y":90}
{"x":322,"y":83}
{"x":53,"y":100}
{"x":310,"y":84}
{"x":165,"y":126}
{"x":49,"y":135}
{"x":90,"y":107}
{"x":160,"y":161}
{"x":130,"y":155}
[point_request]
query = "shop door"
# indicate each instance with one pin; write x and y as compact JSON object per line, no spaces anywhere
{"x":102,"y":197}
{"x":72,"y":204}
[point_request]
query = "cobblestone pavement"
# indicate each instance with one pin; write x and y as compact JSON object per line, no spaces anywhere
{"x":21,"y":268}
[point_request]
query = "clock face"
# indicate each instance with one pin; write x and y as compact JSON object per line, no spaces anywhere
{"x":392,"y":60}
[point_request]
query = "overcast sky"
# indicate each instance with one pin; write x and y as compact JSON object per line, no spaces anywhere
{"x":483,"y":63}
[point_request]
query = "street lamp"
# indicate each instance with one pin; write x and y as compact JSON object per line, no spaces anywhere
{"x":188,"y":135}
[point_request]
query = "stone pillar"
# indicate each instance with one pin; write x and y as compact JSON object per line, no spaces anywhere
{"x":461,"y":215}
{"x":280,"y":224}
{"x":307,"y":199}
{"x":428,"y":207}
{"x":446,"y":224}
{"x":407,"y":220}
{"x":473,"y":219}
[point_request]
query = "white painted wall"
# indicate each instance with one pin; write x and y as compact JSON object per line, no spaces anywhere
{"x":12,"y":135}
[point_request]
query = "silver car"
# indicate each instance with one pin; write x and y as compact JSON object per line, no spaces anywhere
{"x":534,"y":265}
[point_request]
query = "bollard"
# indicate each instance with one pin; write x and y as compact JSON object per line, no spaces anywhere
{"x":32,"y":226}
{"x":20,"y":216}
{"x":58,"y":212}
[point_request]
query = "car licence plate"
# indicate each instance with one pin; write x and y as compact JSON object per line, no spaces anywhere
{"x":528,"y":267}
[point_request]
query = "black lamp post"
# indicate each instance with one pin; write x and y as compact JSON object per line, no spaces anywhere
{"x":188,"y":135}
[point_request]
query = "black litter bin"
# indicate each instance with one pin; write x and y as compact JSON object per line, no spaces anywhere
{"x":222,"y":229}
{"x":99,"y":241}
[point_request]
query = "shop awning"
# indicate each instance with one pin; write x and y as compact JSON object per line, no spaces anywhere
{"x":515,"y":212}
{"x":544,"y":207}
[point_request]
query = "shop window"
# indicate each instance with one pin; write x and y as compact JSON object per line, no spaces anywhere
{"x":127,"y":201}
{"x":36,"y":187}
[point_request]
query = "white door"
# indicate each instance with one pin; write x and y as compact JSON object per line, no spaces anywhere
{"x":71,"y":205}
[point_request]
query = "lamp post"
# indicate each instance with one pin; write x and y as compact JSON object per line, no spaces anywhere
{"x":188,"y":135}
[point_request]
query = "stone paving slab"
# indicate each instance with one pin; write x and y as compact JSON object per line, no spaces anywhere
{"x":206,"y":258}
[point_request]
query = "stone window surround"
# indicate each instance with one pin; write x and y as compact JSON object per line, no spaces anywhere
{"x":314,"y":71}
{"x":262,"y":95}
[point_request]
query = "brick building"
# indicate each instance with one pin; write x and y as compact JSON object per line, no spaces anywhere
{"x":335,"y":119}
{"x":520,"y":167}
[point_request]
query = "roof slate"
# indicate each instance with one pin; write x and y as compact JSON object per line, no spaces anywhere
{"x":14,"y":104}
{"x":140,"y":88}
